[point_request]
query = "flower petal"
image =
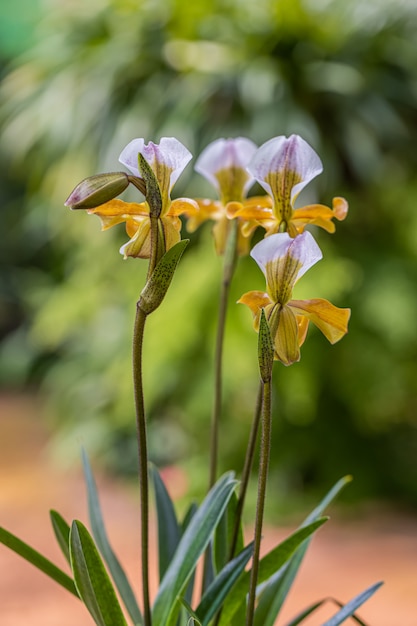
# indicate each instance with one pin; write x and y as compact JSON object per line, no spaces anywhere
{"x":293,"y":158}
{"x":331,"y":320}
{"x":286,"y":342}
{"x":167,"y":159}
{"x":223,"y":163}
{"x":183,"y":205}
{"x":276,"y":253}
{"x":117,"y":211}
{"x":255,"y":300}
{"x":139,"y":245}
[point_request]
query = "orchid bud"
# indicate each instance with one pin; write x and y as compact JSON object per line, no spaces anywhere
{"x":96,"y":190}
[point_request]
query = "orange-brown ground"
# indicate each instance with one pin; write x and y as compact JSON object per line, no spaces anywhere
{"x":344,"y":558}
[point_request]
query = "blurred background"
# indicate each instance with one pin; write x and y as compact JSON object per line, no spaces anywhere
{"x":79,"y":81}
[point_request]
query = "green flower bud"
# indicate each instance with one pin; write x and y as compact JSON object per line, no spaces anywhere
{"x":265,"y":349}
{"x":155,"y":289}
{"x":96,"y":190}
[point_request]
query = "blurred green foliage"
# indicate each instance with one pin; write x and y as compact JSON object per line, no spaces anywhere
{"x":342,"y":75}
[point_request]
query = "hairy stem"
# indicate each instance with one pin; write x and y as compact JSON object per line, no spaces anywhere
{"x":143,"y":457}
{"x":262,"y":480}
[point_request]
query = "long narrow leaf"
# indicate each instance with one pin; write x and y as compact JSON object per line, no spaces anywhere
{"x":100,"y":535}
{"x":92,"y":580}
{"x":276,"y":591}
{"x":313,"y":608}
{"x":168,"y":528}
{"x":352,"y":605}
{"x":185,"y":523}
{"x":62,"y":533}
{"x":190,"y":613}
{"x":218,"y":590}
{"x":223,"y":535}
{"x":38,"y":560}
{"x":190,"y":548}
{"x":268,"y":565}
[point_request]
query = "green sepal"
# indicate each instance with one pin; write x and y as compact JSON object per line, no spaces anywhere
{"x":96,"y":190}
{"x":153,"y":190}
{"x":38,"y":560}
{"x":91,"y":579}
{"x":62,"y":532}
{"x":156,"y":287}
{"x":265,"y":349}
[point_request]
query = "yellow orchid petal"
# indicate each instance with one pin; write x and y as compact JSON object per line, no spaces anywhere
{"x":139,"y":245}
{"x":303,"y":323}
{"x":183,"y":205}
{"x":256,"y":300}
{"x":331,"y":320}
{"x":254,"y":212}
{"x":320,"y":215}
{"x":220,"y":231}
{"x":340,"y":208}
{"x":286,"y":342}
{"x":117,"y":211}
{"x":172,"y":228}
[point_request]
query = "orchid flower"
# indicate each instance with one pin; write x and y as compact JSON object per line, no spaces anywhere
{"x":283,"y":261}
{"x":283,"y":167}
{"x":167,"y":160}
{"x":223,"y":163}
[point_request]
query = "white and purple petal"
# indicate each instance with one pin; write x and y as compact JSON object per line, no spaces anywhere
{"x":282,"y":154}
{"x":224,"y":154}
{"x":169,"y":153}
{"x":303,"y":248}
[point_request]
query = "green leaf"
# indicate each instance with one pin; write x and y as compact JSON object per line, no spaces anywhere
{"x":352,"y":605}
{"x":156,"y":287}
{"x":224,"y":533}
{"x":192,"y":509}
{"x":38,"y":560}
{"x":313,"y":607}
{"x":190,"y":612}
{"x":268,"y":565}
{"x":100,"y":535}
{"x":192,"y":545}
{"x":273,"y":595}
{"x":213,"y":599}
{"x":92,"y":581}
{"x":62,"y":532}
{"x":168,"y":528}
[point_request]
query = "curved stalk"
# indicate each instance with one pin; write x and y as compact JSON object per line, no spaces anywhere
{"x":230,"y":258}
{"x":262,"y":480}
{"x":143,"y":457}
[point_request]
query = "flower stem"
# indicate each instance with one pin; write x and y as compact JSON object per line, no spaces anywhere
{"x":262,"y":480}
{"x":143,"y":457}
{"x":230,"y":258}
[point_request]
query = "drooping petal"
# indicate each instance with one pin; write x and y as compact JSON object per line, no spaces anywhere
{"x":286,"y":342}
{"x":223,"y":163}
{"x":284,"y":260}
{"x":320,"y":215}
{"x":117,"y":211}
{"x":331,"y":320}
{"x":292,"y":158}
{"x":255,"y":300}
{"x":139,"y":245}
{"x":184,"y":205}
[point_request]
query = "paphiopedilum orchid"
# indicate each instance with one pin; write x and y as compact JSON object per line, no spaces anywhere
{"x":283,"y":261}
{"x":223,"y":163}
{"x":283,"y":167}
{"x":167,"y":160}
